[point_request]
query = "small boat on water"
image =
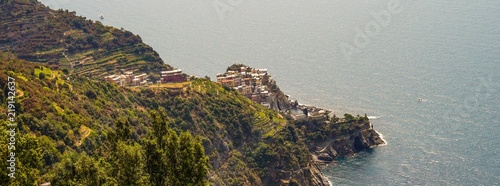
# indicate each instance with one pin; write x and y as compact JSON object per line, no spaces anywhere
{"x":421,"y":100}
{"x":101,"y":16}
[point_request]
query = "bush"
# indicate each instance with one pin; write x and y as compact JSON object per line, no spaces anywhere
{"x":65,"y":71}
{"x":41,"y":75}
{"x":91,"y":94}
{"x":348,"y":117}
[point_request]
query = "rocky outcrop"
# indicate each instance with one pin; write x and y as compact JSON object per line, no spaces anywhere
{"x":315,"y":177}
{"x":278,"y":101}
{"x":327,"y":138}
{"x":359,"y":136}
{"x":310,"y":175}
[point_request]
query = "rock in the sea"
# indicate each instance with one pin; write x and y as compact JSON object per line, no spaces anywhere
{"x":325,"y":157}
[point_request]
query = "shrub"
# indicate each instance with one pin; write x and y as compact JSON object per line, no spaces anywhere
{"x":41,"y":75}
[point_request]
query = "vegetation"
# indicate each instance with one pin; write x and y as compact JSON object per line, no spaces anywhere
{"x":316,"y":132}
{"x":68,"y":134}
{"x":63,"y":40}
{"x":120,"y":136}
{"x":77,"y":130}
{"x":173,"y":159}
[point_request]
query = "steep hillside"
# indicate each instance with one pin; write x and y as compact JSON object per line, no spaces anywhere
{"x":61,"y":39}
{"x":74,"y":128}
{"x":246,"y":143}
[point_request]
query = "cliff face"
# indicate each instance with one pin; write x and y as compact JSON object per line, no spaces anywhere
{"x":326,"y":138}
{"x":309,"y":175}
{"x":333,"y":140}
{"x":279,"y":101}
{"x":349,"y":145}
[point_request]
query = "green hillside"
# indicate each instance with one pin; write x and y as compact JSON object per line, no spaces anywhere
{"x":61,"y":39}
{"x":71,"y":118}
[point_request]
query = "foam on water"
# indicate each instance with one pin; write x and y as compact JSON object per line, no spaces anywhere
{"x":382,"y":138}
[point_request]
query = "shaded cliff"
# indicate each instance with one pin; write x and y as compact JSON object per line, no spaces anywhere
{"x":331,"y":139}
{"x":326,"y":137}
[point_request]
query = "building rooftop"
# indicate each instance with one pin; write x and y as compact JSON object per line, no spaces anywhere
{"x":172,"y":71}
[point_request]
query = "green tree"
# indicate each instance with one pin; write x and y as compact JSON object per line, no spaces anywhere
{"x":126,"y":156}
{"x":78,"y":169}
{"x":192,"y":164}
{"x":65,"y":71}
{"x":348,"y":117}
{"x":335,"y":119}
{"x":121,"y":133}
{"x":28,"y":160}
{"x":128,"y":165}
{"x":172,"y":159}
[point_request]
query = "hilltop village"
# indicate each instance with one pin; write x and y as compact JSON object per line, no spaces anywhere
{"x":248,"y":81}
{"x":254,"y":83}
{"x":257,"y":85}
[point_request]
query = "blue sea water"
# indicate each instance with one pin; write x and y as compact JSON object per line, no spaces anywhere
{"x":446,"y":53}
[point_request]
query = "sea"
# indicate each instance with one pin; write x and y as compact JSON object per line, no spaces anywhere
{"x":426,"y":72}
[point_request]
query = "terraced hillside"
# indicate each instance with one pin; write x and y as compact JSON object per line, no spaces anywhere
{"x":61,"y":39}
{"x":71,"y":118}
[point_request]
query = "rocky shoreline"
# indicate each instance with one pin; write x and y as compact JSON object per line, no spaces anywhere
{"x":349,"y":145}
{"x":343,"y":137}
{"x":327,"y":136}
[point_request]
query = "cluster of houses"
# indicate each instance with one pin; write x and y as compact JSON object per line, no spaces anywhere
{"x":249,"y":82}
{"x":128,"y":78}
{"x":253,"y":83}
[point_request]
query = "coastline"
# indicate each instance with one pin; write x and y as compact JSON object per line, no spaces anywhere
{"x":381,"y":138}
{"x":331,"y":134}
{"x":337,"y":111}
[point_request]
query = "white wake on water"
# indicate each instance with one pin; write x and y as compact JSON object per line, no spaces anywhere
{"x":374,"y":117}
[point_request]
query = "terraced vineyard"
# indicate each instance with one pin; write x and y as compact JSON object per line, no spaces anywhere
{"x":63,"y":40}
